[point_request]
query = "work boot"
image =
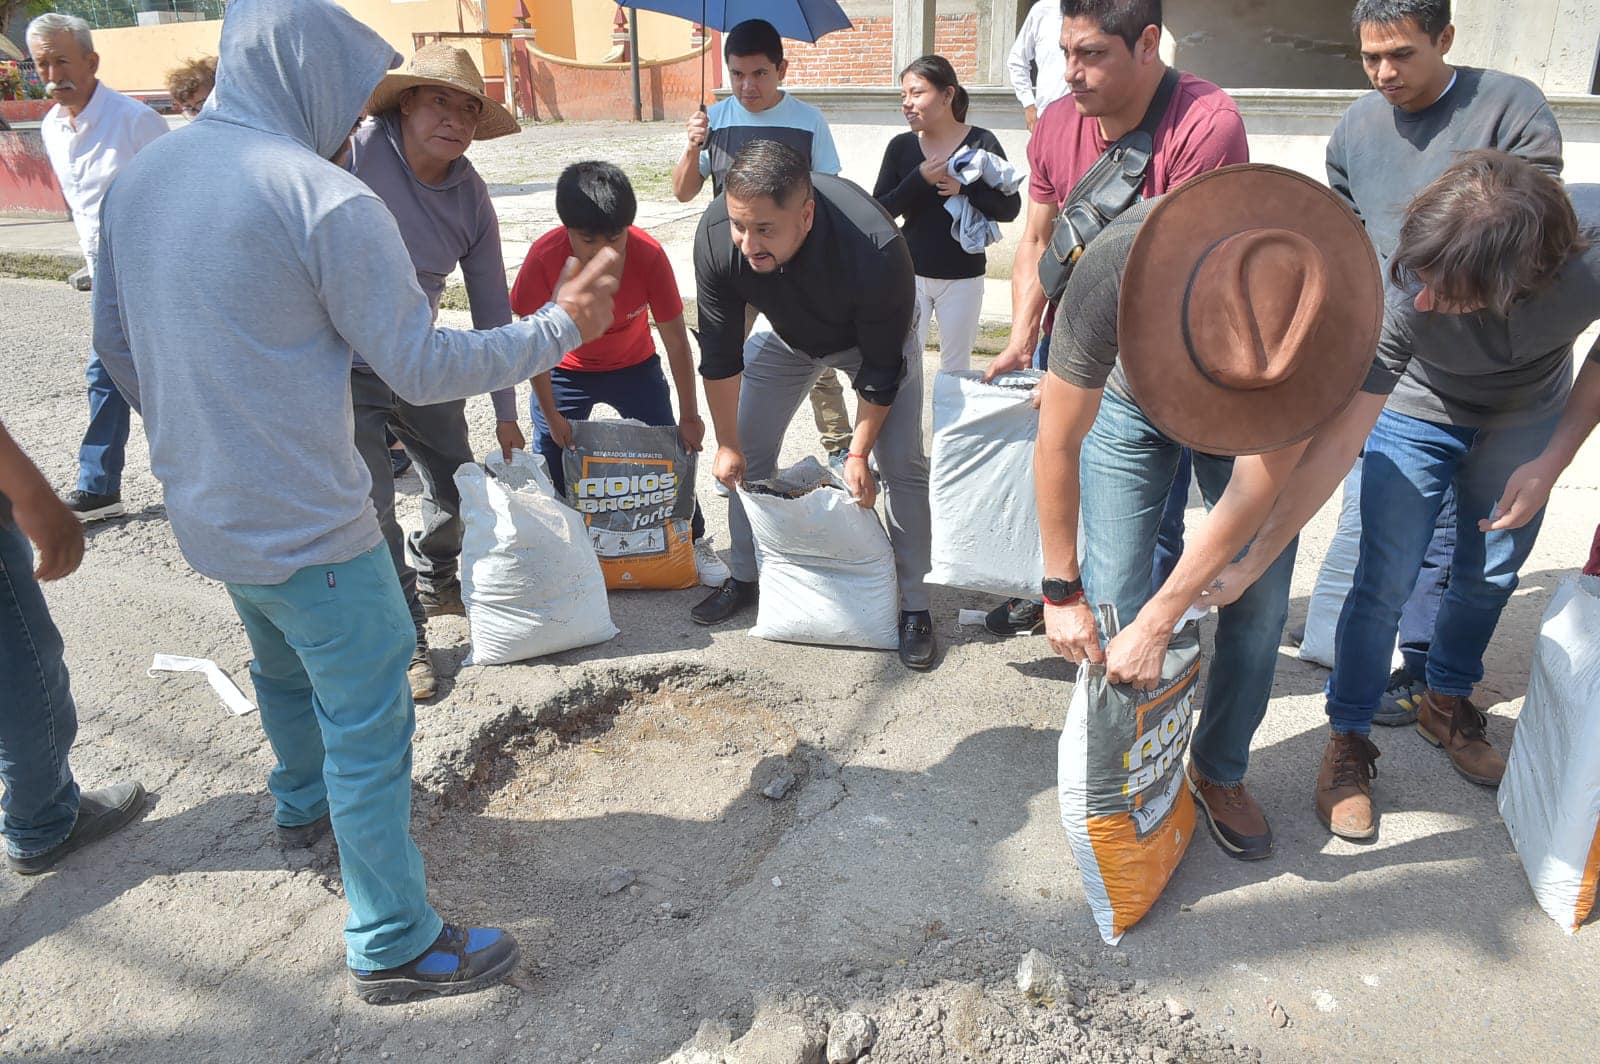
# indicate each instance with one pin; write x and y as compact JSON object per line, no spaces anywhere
{"x":1234,"y":816}
{"x":733,"y":596}
{"x":1344,"y":786}
{"x":916,"y":639}
{"x":424,"y":682}
{"x":461,"y":960}
{"x":1014,"y":616}
{"x":1401,"y":697}
{"x":302,"y":836}
{"x":1458,"y":727}
{"x":100,"y":813}
{"x":440,"y":599}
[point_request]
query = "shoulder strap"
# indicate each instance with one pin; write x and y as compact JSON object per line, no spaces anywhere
{"x":1160,"y":102}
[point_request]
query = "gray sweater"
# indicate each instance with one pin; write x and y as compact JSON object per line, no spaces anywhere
{"x":1380,"y":156}
{"x":443,"y":225}
{"x":238,"y":270}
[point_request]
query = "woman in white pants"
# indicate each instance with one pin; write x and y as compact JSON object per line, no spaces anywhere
{"x":916,"y":184}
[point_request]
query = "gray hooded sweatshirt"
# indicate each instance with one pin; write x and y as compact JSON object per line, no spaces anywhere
{"x":239,"y":269}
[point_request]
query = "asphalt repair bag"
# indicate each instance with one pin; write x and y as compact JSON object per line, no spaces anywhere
{"x":980,"y":484}
{"x":1124,"y":802}
{"x":529,"y":578}
{"x":827,"y":569}
{"x":1550,"y":796}
{"x":634,"y":485}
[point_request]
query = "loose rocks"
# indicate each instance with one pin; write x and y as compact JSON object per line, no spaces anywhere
{"x":779,"y":1039}
{"x":617,"y":880}
{"x":849,"y":1036}
{"x":1035,"y":974}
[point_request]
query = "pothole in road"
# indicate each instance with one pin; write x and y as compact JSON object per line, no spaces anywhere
{"x":634,"y":810}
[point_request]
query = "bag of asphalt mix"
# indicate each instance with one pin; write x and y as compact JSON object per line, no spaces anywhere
{"x":529,"y":576}
{"x":1125,"y":805}
{"x":980,"y":484}
{"x":826,"y":567}
{"x":1550,"y":796}
{"x":634,"y":485}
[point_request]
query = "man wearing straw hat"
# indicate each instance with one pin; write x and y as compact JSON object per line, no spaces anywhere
{"x":412,"y":152}
{"x":1235,"y":316}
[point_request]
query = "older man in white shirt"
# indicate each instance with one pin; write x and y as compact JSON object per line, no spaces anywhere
{"x":1038,"y":48}
{"x":92,"y":132}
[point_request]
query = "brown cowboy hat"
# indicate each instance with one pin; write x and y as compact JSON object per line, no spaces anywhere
{"x":1250,"y":310}
{"x":443,"y":64}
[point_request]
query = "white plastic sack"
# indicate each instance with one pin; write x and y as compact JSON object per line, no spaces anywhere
{"x":529,"y":576}
{"x":980,"y":484}
{"x":827,"y":569}
{"x":1125,"y":805}
{"x":1335,"y":578}
{"x":1550,"y":796}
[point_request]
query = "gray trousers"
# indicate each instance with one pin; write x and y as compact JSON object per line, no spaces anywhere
{"x":777,"y":380}
{"x":436,"y":438}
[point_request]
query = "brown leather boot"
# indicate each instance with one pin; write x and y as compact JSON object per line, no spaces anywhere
{"x":1234,"y":816}
{"x":1458,"y":727}
{"x":1344,"y":786}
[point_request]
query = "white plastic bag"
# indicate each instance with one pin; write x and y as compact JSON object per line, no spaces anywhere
{"x":1550,"y":796}
{"x":1125,"y":805}
{"x":980,"y":484}
{"x":529,"y":576}
{"x":827,"y":569}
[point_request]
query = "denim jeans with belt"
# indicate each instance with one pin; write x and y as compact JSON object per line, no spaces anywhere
{"x":1126,"y":473}
{"x":37,"y":718}
{"x":331,"y":648}
{"x":1408,"y":468}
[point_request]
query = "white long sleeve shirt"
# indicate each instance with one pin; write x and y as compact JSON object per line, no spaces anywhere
{"x":1039,"y":43}
{"x":87,"y":152}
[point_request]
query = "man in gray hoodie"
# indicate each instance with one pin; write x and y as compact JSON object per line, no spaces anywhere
{"x":245,"y":394}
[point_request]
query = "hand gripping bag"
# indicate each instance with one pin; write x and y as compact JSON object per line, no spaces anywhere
{"x":529,"y":577}
{"x":827,"y":569}
{"x":634,"y":485}
{"x":1550,"y":796}
{"x":980,"y":484}
{"x":1124,"y":801}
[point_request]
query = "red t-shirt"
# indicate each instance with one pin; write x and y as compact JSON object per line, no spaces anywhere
{"x":1202,"y":131}
{"x":647,"y":282}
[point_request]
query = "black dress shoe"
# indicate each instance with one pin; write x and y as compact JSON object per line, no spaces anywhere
{"x":727,"y":600}
{"x":100,"y":813}
{"x":916,"y":639}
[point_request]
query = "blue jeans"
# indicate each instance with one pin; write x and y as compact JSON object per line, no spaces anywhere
{"x":1408,"y":468}
{"x":331,"y":648}
{"x":105,"y":441}
{"x":638,"y":392}
{"x":1169,"y":537}
{"x":1421,"y":611}
{"x":1126,"y":473}
{"x":37,"y":718}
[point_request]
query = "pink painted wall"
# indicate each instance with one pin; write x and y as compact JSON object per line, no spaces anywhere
{"x":27,"y":184}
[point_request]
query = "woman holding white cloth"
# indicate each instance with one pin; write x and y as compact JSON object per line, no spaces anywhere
{"x":916,"y":183}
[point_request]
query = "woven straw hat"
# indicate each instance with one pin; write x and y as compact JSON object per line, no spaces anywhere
{"x":1250,"y":310}
{"x":453,"y":68}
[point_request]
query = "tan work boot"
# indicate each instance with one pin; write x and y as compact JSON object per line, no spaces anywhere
{"x":1344,"y":786}
{"x":424,"y":684}
{"x":1458,"y":727}
{"x":1233,"y":815}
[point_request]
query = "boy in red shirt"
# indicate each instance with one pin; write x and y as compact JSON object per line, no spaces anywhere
{"x":621,"y":369}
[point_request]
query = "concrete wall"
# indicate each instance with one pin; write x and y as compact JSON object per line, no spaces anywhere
{"x":1554,"y":43}
{"x":1286,"y":44}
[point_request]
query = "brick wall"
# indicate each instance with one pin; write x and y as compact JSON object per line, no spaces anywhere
{"x":864,"y":54}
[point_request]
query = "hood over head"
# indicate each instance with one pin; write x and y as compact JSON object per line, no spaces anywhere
{"x":302,"y":69}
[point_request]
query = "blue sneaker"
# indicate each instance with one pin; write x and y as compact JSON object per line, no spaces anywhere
{"x":1402,"y":697}
{"x":460,"y":961}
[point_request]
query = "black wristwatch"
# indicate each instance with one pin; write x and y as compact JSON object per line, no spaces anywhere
{"x":1058,"y":592}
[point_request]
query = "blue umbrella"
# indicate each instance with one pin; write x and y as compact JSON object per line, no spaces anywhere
{"x":800,"y":20}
